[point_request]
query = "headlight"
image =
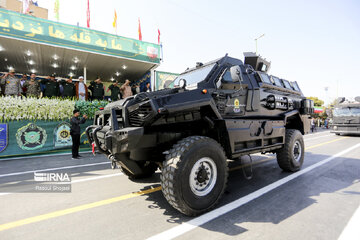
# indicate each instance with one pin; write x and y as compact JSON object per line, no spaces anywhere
{"x":335,"y":127}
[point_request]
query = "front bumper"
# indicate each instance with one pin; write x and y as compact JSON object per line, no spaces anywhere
{"x":345,"y":129}
{"x":123,"y":140}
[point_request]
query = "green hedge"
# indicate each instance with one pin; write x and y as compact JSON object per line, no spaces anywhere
{"x":89,"y":108}
{"x":54,"y":109}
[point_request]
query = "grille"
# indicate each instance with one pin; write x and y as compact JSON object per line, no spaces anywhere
{"x":140,"y":115}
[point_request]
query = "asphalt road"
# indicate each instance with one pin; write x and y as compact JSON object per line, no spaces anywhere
{"x":322,"y":201}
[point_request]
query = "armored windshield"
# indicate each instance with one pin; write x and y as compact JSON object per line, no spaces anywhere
{"x":344,"y":112}
{"x":194,"y":77}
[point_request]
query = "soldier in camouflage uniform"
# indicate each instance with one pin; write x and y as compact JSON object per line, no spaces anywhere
{"x":11,"y":83}
{"x":52,"y":88}
{"x":33,"y":87}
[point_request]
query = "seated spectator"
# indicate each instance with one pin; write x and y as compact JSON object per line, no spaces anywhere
{"x":97,"y":89}
{"x":11,"y":84}
{"x":33,"y":87}
{"x":81,"y":89}
{"x":52,"y":88}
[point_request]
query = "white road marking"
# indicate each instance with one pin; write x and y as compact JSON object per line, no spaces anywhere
{"x":96,"y":178}
{"x":352,"y":230}
{"x":198,"y":221}
{"x":319,"y":137}
{"x":40,"y":156}
{"x":318,"y":133}
{"x":53,"y":169}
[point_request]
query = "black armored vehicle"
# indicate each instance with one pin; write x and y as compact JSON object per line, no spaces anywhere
{"x":346,"y":117}
{"x":220,"y":110}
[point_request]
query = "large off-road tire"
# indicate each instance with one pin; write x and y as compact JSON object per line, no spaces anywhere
{"x":194,"y":175}
{"x":147,"y":170}
{"x":291,"y":157}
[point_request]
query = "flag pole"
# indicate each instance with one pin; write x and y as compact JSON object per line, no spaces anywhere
{"x":161,"y":51}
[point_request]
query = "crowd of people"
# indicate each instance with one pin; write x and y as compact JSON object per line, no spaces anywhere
{"x":11,"y":85}
{"x":316,"y":123}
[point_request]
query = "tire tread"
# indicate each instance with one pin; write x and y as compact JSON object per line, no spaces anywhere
{"x":171,"y":164}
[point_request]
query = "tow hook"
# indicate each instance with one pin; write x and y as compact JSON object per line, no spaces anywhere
{"x":113,"y":161}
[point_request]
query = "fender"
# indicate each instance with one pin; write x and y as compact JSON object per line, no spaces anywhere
{"x":296,"y":122}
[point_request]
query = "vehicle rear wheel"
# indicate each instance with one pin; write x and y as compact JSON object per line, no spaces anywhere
{"x":337,"y":134}
{"x":291,"y":156}
{"x":194,"y":175}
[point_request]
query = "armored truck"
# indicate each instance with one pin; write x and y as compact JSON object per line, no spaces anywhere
{"x":346,"y":117}
{"x":220,"y":110}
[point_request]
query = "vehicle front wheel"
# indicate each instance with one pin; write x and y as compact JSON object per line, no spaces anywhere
{"x":194,"y":175}
{"x":291,"y":157}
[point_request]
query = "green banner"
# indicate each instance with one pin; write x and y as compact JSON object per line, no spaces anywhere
{"x":164,"y":80}
{"x":20,"y":26}
{"x":22,"y":138}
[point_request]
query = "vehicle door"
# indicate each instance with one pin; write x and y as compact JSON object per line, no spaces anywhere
{"x":231,"y":95}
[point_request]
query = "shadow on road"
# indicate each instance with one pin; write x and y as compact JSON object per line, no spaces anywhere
{"x":280,"y":203}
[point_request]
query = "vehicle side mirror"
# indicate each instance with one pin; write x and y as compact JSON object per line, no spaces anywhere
{"x":182,"y":83}
{"x":236,"y":74}
{"x":340,"y":100}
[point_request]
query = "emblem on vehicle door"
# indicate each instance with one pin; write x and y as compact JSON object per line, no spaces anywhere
{"x":236,"y":105}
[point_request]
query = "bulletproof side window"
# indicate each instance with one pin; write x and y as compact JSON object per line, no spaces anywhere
{"x":277,"y":81}
{"x":226,"y":77}
{"x":287,"y":84}
{"x":264,"y":78}
{"x":225,"y":81}
{"x":295,"y":86}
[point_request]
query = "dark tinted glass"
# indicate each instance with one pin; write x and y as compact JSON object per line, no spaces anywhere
{"x":265,"y":78}
{"x":287,"y":84}
{"x":277,"y":81}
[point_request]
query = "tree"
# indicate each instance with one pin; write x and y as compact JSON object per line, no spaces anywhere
{"x":317,"y":102}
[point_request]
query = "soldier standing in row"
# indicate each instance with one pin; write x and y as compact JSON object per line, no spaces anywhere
{"x":97,"y":89}
{"x":11,"y":84}
{"x":33,"y":87}
{"x":115,"y":91}
{"x":126,"y":89}
{"x":52,"y":88}
{"x":22,"y":83}
{"x":69,"y":88}
{"x":147,"y":87}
